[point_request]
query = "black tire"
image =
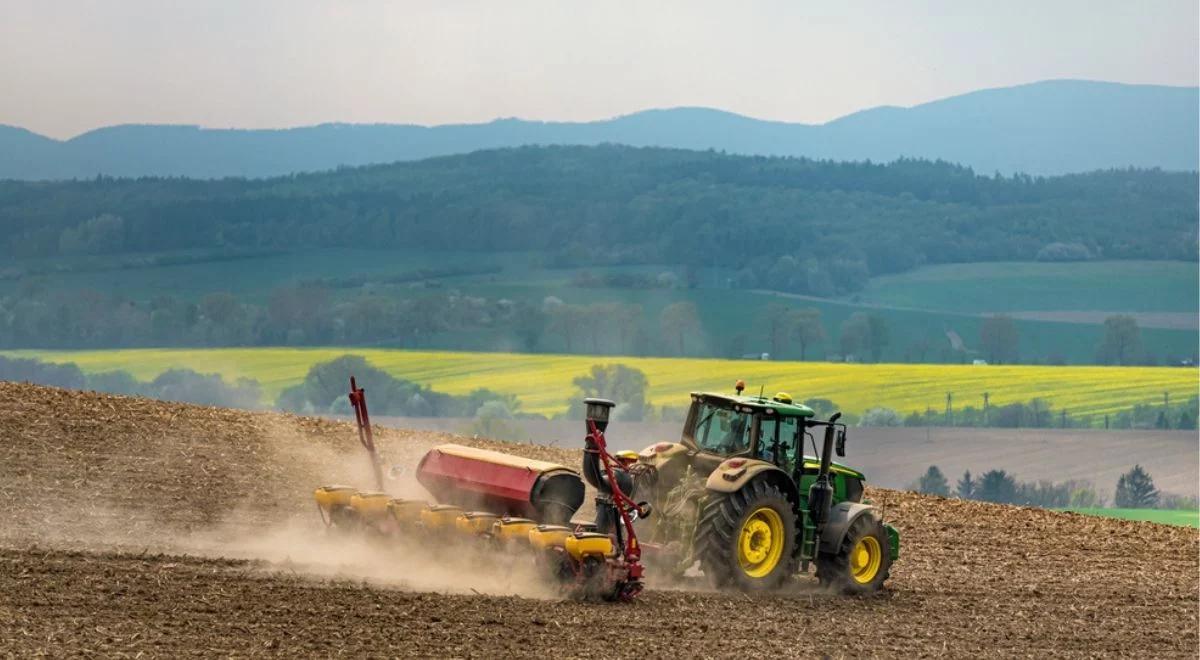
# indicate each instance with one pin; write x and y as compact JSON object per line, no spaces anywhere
{"x":835,"y":571}
{"x":718,"y":535}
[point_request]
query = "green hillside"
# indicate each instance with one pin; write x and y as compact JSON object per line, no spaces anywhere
{"x":793,"y":224}
{"x":585,"y":249}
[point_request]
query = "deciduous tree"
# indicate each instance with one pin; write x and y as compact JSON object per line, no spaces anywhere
{"x":776,"y":320}
{"x":624,"y":385}
{"x":805,"y":328}
{"x":864,"y":333}
{"x":999,"y":340}
{"x":1122,"y":343}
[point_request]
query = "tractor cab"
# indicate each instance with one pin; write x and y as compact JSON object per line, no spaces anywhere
{"x":770,"y":429}
{"x":767,"y":429}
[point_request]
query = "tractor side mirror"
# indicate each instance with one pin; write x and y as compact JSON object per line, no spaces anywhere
{"x":840,"y":447}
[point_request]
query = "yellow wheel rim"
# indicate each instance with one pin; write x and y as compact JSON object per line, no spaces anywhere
{"x":865,"y":560}
{"x":761,"y":542}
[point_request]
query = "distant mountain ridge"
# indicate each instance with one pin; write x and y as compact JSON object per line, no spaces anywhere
{"x":1045,"y":128}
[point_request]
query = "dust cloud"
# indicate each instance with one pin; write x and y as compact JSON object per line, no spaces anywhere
{"x":417,"y":564}
{"x":210,"y":506}
{"x":302,"y":544}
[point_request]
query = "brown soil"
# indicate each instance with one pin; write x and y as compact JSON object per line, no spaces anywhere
{"x":138,"y":527}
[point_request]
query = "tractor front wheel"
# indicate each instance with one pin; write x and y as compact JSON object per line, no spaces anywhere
{"x":863,"y":560}
{"x":747,"y":538}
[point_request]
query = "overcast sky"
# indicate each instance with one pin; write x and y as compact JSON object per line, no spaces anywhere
{"x":69,"y":66}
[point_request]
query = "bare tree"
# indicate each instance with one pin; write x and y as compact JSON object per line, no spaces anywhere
{"x":806,"y":329}
{"x":777,"y":319}
{"x":999,"y":339}
{"x":1122,"y":340}
{"x":567,"y":321}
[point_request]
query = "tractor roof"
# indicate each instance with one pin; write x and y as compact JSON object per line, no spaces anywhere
{"x":783,"y":408}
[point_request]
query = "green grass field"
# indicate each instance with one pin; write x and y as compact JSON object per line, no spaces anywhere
{"x":543,"y":382}
{"x":1130,"y":286}
{"x":1182,"y":518}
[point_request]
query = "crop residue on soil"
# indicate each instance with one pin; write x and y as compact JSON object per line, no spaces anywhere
{"x":136,"y":526}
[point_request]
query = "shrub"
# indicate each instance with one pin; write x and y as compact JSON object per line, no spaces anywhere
{"x":327,"y":384}
{"x":204,"y":389}
{"x":116,"y":382}
{"x":1085,"y":497}
{"x":42,"y":373}
{"x":623,"y":385}
{"x":1175,"y":501}
{"x":493,"y":420}
{"x":880,"y":417}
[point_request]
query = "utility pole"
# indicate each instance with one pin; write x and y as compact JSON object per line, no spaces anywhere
{"x":987,"y":417}
{"x":1166,"y":410}
{"x":949,"y":409}
{"x":1064,"y":418}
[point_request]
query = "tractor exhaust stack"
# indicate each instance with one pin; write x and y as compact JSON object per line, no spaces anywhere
{"x":820,"y":495}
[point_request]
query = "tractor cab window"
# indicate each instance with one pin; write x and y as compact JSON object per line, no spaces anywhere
{"x":791,"y":440}
{"x":777,"y":441}
{"x":722,"y":431}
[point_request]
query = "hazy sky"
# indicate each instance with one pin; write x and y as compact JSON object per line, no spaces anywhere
{"x":69,"y":66}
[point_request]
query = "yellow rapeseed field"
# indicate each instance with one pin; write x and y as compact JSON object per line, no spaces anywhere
{"x":543,"y":382}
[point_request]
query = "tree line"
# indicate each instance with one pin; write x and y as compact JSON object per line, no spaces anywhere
{"x":789,"y":224}
{"x":425,"y":314}
{"x":1134,"y":490}
{"x":183,"y":385}
{"x":1040,"y":413}
{"x":323,"y":390}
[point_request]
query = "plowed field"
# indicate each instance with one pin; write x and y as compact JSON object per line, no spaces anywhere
{"x":134,"y":527}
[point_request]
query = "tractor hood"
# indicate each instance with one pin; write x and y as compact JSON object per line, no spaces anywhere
{"x":813,"y":463}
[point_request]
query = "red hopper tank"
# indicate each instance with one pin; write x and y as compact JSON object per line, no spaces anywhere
{"x":501,"y":483}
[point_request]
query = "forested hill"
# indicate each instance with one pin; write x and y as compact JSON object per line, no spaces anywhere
{"x":1049,"y":127}
{"x":793,"y":224}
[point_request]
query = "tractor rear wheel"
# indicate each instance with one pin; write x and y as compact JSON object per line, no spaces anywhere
{"x":863,"y":560}
{"x":747,"y":538}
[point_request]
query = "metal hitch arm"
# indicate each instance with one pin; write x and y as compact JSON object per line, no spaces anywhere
{"x":358,"y":400}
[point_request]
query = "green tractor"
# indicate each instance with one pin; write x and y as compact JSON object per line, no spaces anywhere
{"x":738,"y":494}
